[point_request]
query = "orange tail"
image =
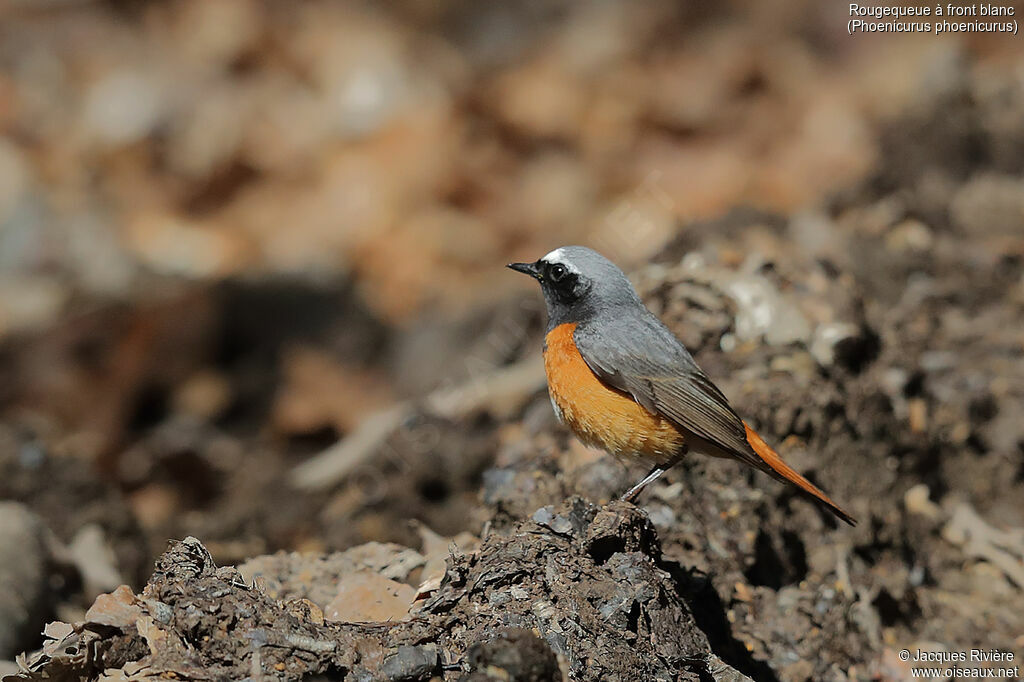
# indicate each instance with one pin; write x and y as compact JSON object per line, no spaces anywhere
{"x":783,"y":471}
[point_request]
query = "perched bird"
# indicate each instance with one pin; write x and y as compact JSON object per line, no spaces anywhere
{"x":624,"y":383}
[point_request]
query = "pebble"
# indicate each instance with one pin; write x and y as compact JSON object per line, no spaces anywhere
{"x":411,"y":663}
{"x":557,"y":523}
{"x":917,"y":501}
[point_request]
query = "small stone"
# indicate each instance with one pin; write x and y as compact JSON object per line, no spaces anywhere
{"x":206,"y":394}
{"x":910,"y":235}
{"x":116,"y":609}
{"x":917,"y":501}
{"x":918,"y":415}
{"x":743,"y":592}
{"x":411,"y":663}
{"x":558,"y":524}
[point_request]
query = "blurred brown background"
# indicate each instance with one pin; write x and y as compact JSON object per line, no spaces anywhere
{"x":231,"y":230}
{"x":412,"y":146}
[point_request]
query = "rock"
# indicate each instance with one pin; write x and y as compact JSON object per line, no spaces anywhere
{"x":580,"y":586}
{"x":763,"y":311}
{"x":916,"y":500}
{"x":198,"y":617}
{"x":571,"y":612}
{"x":119,"y":609}
{"x":205,"y":395}
{"x":25,"y":597}
{"x":316,"y":577}
{"x":557,"y":523}
{"x":722,"y":672}
{"x":910,"y":235}
{"x":370,"y":598}
{"x":410,"y":663}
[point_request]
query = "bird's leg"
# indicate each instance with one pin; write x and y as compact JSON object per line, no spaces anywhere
{"x":631,"y":494}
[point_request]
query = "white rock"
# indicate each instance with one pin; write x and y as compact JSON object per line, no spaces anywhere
{"x":762,"y":310}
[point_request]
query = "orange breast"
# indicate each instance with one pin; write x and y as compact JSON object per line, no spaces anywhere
{"x":598,"y":414}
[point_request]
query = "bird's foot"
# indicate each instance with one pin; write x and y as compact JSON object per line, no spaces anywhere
{"x":631,"y":494}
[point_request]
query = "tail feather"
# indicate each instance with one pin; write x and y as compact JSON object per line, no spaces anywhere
{"x":783,"y":471}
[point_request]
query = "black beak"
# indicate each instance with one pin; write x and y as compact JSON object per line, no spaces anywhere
{"x":530,"y":269}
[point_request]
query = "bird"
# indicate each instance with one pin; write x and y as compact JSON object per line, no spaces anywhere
{"x":622,"y":382}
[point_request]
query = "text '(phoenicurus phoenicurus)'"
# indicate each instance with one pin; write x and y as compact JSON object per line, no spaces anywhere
{"x":624,"y":383}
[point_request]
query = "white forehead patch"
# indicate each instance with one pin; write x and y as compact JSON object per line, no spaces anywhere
{"x":558,"y":256}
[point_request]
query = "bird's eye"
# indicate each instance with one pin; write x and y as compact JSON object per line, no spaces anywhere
{"x":557,"y":272}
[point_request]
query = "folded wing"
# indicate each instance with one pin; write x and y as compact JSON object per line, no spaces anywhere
{"x":643,"y":358}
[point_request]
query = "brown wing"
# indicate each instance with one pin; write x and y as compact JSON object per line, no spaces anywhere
{"x":639,"y":355}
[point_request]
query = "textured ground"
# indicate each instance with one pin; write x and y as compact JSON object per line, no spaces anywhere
{"x":245,"y":321}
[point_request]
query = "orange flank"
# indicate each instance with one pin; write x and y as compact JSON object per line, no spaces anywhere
{"x":601,"y":415}
{"x":784,"y":471}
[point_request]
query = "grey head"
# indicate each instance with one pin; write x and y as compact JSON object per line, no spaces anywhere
{"x":579,"y":283}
